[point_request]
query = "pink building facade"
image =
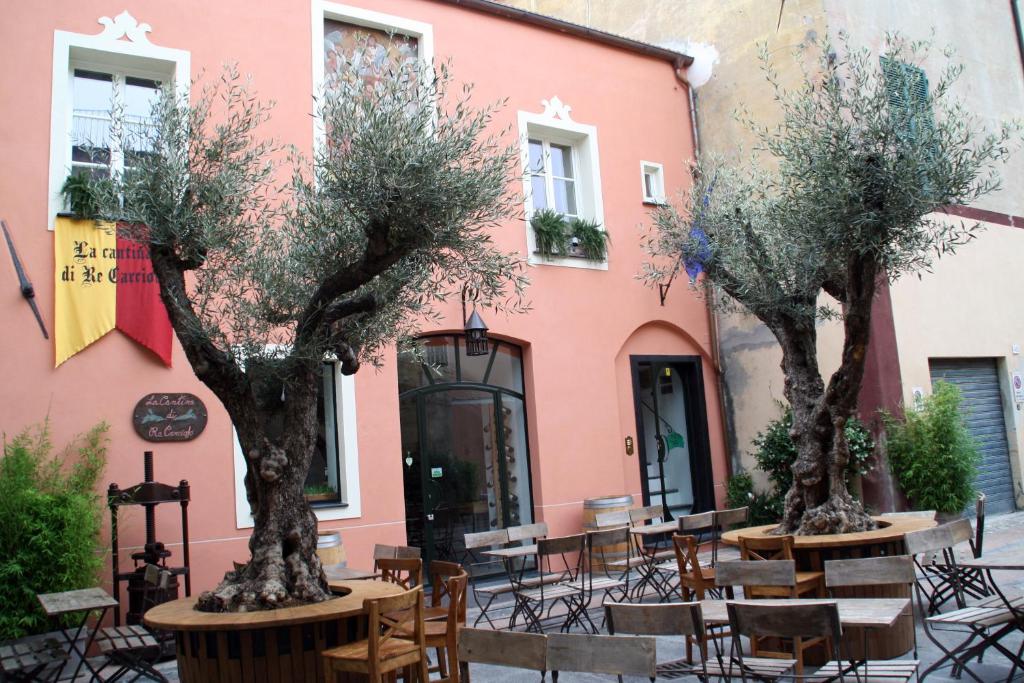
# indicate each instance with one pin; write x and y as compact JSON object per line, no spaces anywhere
{"x":572,"y":400}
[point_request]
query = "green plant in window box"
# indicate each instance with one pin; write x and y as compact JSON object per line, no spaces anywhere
{"x":549,"y":229}
{"x":81,"y":194}
{"x":316,"y":493}
{"x":588,"y":237}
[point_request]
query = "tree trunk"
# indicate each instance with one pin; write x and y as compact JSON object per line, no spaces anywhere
{"x":819,"y":501}
{"x":284,"y":569}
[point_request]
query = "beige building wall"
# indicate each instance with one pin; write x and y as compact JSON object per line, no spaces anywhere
{"x":977,"y":285}
{"x":969,"y":306}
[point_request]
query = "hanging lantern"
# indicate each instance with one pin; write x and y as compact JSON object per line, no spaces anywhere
{"x":476,"y":335}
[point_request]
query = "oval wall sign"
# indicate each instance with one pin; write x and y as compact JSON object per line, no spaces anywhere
{"x":169,"y":417}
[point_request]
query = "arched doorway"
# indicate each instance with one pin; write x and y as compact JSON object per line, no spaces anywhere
{"x":464,"y":443}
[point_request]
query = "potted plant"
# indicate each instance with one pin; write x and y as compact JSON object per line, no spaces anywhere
{"x":549,"y":229}
{"x":588,"y":239}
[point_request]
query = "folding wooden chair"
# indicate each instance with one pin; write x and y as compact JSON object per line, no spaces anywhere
{"x":568,"y":553}
{"x":597,"y":579}
{"x":615,"y":655}
{"x":502,"y":648}
{"x":485,"y":593}
{"x":31,"y":659}
{"x":773,"y":578}
{"x":671,"y":619}
{"x":385,"y":650}
{"x":527,"y":532}
{"x":896,"y":570}
{"x":938,"y":575}
{"x":803,"y":621}
{"x":133,"y":647}
{"x":724,"y":521}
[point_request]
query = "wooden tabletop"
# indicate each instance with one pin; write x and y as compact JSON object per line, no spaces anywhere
{"x":655,"y":529}
{"x":864,"y":612}
{"x":75,"y":601}
{"x":509,"y":553}
{"x":180,"y":615}
{"x":994,"y":562}
{"x":895,"y":529}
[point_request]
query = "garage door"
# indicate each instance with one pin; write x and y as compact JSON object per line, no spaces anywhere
{"x":982,"y":405}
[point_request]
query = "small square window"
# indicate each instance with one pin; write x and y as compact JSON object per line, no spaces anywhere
{"x":652,"y":177}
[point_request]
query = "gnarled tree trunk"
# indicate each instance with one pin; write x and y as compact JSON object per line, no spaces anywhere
{"x":819,"y":501}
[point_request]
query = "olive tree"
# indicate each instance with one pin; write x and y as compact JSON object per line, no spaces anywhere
{"x":264,"y":278}
{"x":846,"y":191}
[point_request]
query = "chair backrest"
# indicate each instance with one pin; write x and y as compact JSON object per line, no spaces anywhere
{"x":527,"y":532}
{"x":979,"y":526}
{"x":383,"y":552}
{"x":613,"y":518}
{"x":768,"y":573}
{"x":766,"y":547}
{"x":702,"y":521}
{"x":503,"y":648}
{"x":407,"y":573}
{"x":960,"y":531}
{"x":395,"y":615}
{"x":440,"y":572}
{"x":606,"y":544}
{"x":927,"y":540}
{"x":731,"y":517}
{"x":407,"y":552}
{"x":646,"y":514}
{"x":797,"y":619}
{"x":486,"y":539}
{"x":620,"y":655}
{"x":871,"y":571}
{"x":570,"y":550}
{"x":665,"y":619}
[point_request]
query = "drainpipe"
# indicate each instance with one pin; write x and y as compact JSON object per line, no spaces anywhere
{"x":704,"y":58}
{"x":1015,"y":9}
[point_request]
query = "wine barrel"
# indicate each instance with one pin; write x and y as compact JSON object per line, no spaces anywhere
{"x":330,"y":548}
{"x":592,"y":507}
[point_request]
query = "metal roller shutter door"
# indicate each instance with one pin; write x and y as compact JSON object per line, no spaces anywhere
{"x":982,"y":405}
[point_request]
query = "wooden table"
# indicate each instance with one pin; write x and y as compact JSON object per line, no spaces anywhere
{"x":271,"y":645}
{"x":853,"y":612}
{"x":812,"y":552}
{"x":84,"y":601}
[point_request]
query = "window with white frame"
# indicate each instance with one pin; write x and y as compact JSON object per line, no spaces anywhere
{"x":561,"y":173}
{"x":103,"y":87}
{"x":332,"y":484}
{"x":110,"y":119}
{"x":652,"y":178}
{"x":553,"y":177}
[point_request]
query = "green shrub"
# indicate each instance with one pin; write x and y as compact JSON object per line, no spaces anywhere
{"x":764,"y":508}
{"x":932,"y":454}
{"x":775,"y":454}
{"x":51,"y":516}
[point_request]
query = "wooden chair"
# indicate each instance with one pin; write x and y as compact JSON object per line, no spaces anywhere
{"x":502,"y":648}
{"x":393,"y":552}
{"x":440,"y":572}
{"x":724,"y":521}
{"x":605,"y":520}
{"x":599,"y":575}
{"x":484,"y":595}
{"x":616,"y":655}
{"x":31,"y":659}
{"x":133,"y":647}
{"x":760,"y":548}
{"x":779,"y":578}
{"x":442,"y":635}
{"x":696,"y":582}
{"x":407,"y":573}
{"x":671,"y":619}
{"x":384,"y":651}
{"x":649,"y":513}
{"x":809,"y":620}
{"x":934,"y":551}
{"x":864,"y":575}
{"x":568,"y":553}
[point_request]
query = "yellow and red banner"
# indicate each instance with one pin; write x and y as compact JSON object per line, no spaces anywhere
{"x":103,"y":281}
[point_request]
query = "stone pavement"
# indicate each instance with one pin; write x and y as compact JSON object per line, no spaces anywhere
{"x":1004,"y":537}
